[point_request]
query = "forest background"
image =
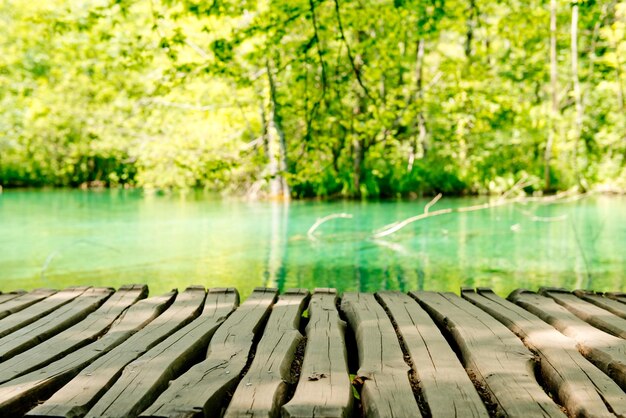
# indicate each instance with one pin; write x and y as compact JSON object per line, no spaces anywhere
{"x":314,"y":98}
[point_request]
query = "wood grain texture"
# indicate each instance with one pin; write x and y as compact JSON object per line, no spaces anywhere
{"x":604,"y":350}
{"x":23,"y":301}
{"x":588,"y":312}
{"x":261,"y":392}
{"x":611,"y":305}
{"x":618,"y":296}
{"x":38,"y":310}
{"x":144,"y":379}
{"x":161,"y":357}
{"x":494,"y":355}
{"x":201,"y":390}
{"x":5,"y":297}
{"x":386,"y":390}
{"x":81,"y":393}
{"x":446,"y":387}
{"x":79,"y":335}
{"x":21,"y":393}
{"x":49,"y":325}
{"x":324,"y":388}
{"x":582,"y":388}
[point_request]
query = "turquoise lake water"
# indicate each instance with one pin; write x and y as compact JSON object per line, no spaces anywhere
{"x":73,"y":237}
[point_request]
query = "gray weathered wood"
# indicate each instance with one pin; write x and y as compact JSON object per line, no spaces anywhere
{"x":386,"y":390}
{"x":80,"y":394}
{"x":74,"y":337}
{"x":582,"y":388}
{"x":38,"y":310}
{"x":494,"y":355}
{"x":53,"y":323}
{"x":604,"y":350}
{"x":23,"y":301}
{"x":324,"y":389}
{"x":618,"y":296}
{"x":445,"y":385}
{"x":21,"y":393}
{"x":144,"y":379}
{"x":611,"y":305}
{"x":594,"y":315}
{"x":262,"y":390}
{"x":201,"y":390}
{"x":5,"y":297}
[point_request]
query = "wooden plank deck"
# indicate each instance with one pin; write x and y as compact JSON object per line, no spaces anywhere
{"x":588,"y":312}
{"x":79,"y":395}
{"x":445,"y":386}
{"x":383,"y":372}
{"x":38,"y":310}
{"x":97,"y":352}
{"x":603,"y":302}
{"x":581,"y":387}
{"x":494,"y":355}
{"x":262,"y":391}
{"x":324,"y":388}
{"x":604,"y":350}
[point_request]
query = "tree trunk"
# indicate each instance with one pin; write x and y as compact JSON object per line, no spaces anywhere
{"x":358,"y":153}
{"x":421,"y":120}
{"x":471,"y":25}
{"x":554,"y":96}
{"x":618,"y":74}
{"x":576,"y":84}
{"x":359,"y":144}
{"x":419,"y":147}
{"x":277,"y":144}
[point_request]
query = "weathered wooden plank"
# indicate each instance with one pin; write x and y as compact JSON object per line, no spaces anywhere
{"x":74,"y":337}
{"x":618,"y":296}
{"x":446,"y":387}
{"x":611,"y":305}
{"x":5,"y":297}
{"x":324,"y":388}
{"x":593,"y":315}
{"x":144,"y":379}
{"x":38,"y":310}
{"x":582,"y":388}
{"x":20,"y":394}
{"x":262,"y":390}
{"x":53,"y":323}
{"x":202,"y":389}
{"x":604,"y":350}
{"x":386,"y":390}
{"x":23,"y":301}
{"x":493,"y":354}
{"x":80,"y":394}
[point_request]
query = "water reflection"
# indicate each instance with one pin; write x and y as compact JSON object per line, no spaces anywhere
{"x":60,"y":238}
{"x":276,"y":271}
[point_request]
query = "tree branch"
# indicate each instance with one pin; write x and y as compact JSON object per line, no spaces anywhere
{"x":355,"y":69}
{"x":327,"y":218}
{"x":396,"y":226}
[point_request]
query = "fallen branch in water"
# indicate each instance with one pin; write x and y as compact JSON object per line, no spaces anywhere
{"x":327,"y":218}
{"x":432,"y":203}
{"x":501,"y":201}
{"x":396,"y":226}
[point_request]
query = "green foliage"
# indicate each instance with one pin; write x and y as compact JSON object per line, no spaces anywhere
{"x":375,"y":99}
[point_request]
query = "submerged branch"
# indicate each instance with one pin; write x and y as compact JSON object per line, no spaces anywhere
{"x":501,"y":201}
{"x":432,"y":203}
{"x":327,"y":218}
{"x":395,"y":227}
